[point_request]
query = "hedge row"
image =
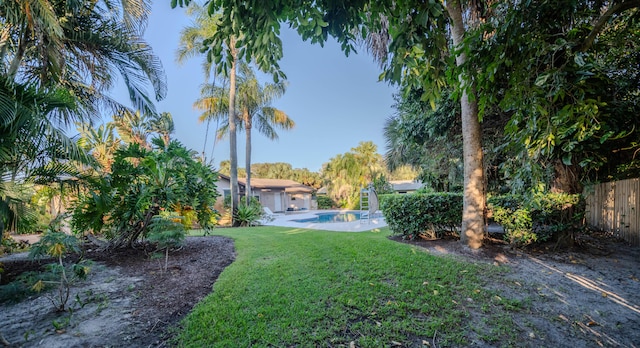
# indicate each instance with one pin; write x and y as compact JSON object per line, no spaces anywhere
{"x":431,"y":214}
{"x":525,"y":219}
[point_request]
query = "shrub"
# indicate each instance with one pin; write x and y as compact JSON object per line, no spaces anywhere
{"x":325,"y":202}
{"x":249,"y":215}
{"x":538,"y":217}
{"x":166,"y":231}
{"x":56,"y":244}
{"x":7,"y":244}
{"x":143,"y":182}
{"x":427,"y":215}
{"x":516,"y":221}
{"x":557,"y":216}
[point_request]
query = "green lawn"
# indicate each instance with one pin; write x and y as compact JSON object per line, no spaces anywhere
{"x":296,"y":287}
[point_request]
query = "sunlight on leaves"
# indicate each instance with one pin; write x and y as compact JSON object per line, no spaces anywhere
{"x":56,"y":250}
{"x":38,"y":286}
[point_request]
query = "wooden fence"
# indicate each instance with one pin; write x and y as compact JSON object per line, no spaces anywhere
{"x":615,"y":207}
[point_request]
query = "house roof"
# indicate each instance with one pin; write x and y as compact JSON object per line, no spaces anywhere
{"x":405,"y":185}
{"x":275,"y":184}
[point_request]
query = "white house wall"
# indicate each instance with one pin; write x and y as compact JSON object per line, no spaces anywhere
{"x":268,"y":199}
{"x":298,"y":201}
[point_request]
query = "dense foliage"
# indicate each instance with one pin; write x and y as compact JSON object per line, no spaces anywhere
{"x":144,"y":183}
{"x":167,"y":231}
{"x":567,"y":79}
{"x":58,"y":61}
{"x":538,"y":217}
{"x":325,"y":202}
{"x":427,"y":139}
{"x":422,"y":215}
{"x":280,"y":170}
{"x":344,"y":175}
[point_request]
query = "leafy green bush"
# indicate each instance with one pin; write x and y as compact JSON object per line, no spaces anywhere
{"x":554,"y":213}
{"x":142,"y":183}
{"x":537,"y":218}
{"x":7,"y":244}
{"x":325,"y":202}
{"x":166,"y":231}
{"x":248,"y":215}
{"x":516,"y":221}
{"x":413,"y":215}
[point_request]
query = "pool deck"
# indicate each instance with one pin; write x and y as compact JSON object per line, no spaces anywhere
{"x":285,"y":220}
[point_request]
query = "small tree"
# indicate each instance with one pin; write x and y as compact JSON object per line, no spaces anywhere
{"x":57,"y":244}
{"x":166,"y":231}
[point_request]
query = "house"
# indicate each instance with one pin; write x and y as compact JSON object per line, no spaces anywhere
{"x":398,"y":186}
{"x":279,"y":195}
{"x":406,"y":186}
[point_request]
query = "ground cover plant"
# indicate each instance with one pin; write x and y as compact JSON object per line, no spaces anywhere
{"x":296,"y":287}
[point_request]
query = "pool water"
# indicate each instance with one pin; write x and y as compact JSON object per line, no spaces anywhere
{"x":323,"y":218}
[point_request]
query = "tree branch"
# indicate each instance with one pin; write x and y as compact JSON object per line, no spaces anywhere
{"x":599,"y":25}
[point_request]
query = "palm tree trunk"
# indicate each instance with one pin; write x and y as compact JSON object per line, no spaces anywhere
{"x":472,"y":231}
{"x":233,"y":155}
{"x":17,"y":59}
{"x":247,"y":121}
{"x":166,"y":138}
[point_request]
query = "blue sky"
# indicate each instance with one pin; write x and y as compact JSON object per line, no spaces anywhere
{"x":336,"y":101}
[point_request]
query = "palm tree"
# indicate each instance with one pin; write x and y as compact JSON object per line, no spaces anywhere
{"x":254,"y":109}
{"x":81,"y":46}
{"x":133,"y":127}
{"x":193,"y":39}
{"x":100,"y":142}
{"x":31,"y":146}
{"x":367,"y":155}
{"x":163,"y":125}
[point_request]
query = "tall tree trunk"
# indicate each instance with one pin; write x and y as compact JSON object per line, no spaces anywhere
{"x":166,"y":138}
{"x":472,"y":232}
{"x":17,"y":59}
{"x":247,"y":122}
{"x":233,"y":155}
{"x":565,"y":178}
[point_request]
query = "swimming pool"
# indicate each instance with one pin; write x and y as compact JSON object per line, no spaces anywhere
{"x":329,"y":217}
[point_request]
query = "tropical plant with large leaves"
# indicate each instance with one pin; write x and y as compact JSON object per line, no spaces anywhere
{"x":144,"y":182}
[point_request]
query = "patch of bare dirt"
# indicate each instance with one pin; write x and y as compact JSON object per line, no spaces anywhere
{"x":128,"y":300}
{"x":585,"y":296}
